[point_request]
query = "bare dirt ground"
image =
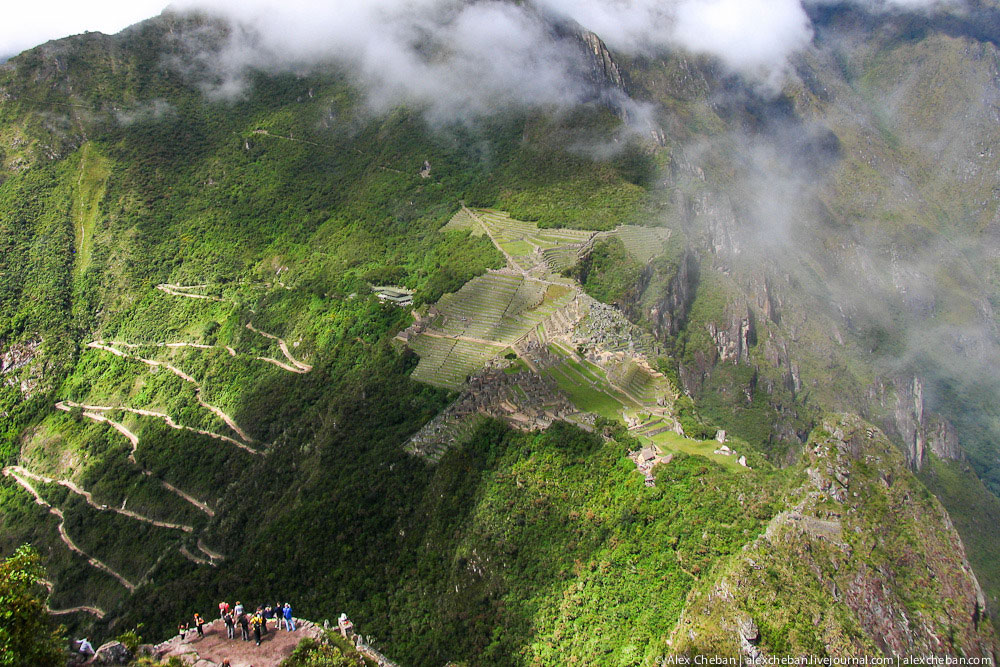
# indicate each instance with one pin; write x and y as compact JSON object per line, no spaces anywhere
{"x":211,"y":649}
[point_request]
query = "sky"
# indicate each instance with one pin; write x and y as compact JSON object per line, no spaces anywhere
{"x":27,"y":23}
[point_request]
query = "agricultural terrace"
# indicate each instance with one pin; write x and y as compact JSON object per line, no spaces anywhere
{"x":647,"y":386}
{"x":643,"y":243}
{"x":524,"y":242}
{"x":488,"y":314}
{"x":587,"y":386}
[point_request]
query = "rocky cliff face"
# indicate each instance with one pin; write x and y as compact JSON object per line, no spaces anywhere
{"x":901,"y":403}
{"x":668,"y":311}
{"x":867,"y":556}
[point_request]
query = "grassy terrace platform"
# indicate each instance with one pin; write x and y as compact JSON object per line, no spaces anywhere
{"x":445,"y":362}
{"x":670,"y":441}
{"x":497,"y":307}
{"x":643,"y":243}
{"x":640,"y":383}
{"x":587,"y":386}
{"x":521,"y":239}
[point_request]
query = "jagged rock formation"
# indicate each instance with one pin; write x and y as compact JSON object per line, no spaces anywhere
{"x":921,"y":431}
{"x":669,"y":309}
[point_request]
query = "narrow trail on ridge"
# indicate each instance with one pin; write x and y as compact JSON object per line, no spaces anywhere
{"x":201,"y":346}
{"x":134,"y":439}
{"x":266,"y":133}
{"x":96,"y":413}
{"x":21,"y":470}
{"x":87,"y":609}
{"x":55,"y":511}
{"x":295,"y":366}
{"x":175,"y":290}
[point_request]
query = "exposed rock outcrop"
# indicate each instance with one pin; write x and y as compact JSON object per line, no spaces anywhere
{"x":734,"y":335}
{"x":669,"y":311}
{"x":905,"y":416}
{"x":18,"y":355}
{"x":112,"y":653}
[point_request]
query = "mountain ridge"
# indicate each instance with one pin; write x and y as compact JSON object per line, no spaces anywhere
{"x":286,"y":205}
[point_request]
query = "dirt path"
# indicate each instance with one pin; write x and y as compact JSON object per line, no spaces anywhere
{"x":174,"y":290}
{"x":313,"y":143}
{"x":218,"y":412}
{"x":194,"y":559}
{"x":100,"y":507}
{"x":66,"y":405}
{"x":86,"y":609}
{"x":134,"y":439}
{"x":55,"y":511}
{"x":118,"y":343}
{"x":214,"y":555}
{"x":186,"y":496}
{"x":303,"y":368}
{"x":440,"y":334}
{"x":177,"y":290}
{"x":282,"y":365}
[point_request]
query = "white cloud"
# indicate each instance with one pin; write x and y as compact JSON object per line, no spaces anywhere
{"x":755,"y":36}
{"x":446,"y":53}
{"x":26,"y":24}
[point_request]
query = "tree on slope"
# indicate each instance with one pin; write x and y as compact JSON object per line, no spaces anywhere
{"x":28,"y":635}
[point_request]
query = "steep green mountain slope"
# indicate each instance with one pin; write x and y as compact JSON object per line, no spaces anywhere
{"x":202,"y":398}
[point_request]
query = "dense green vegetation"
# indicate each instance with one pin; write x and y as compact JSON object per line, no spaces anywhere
{"x":976,"y":513}
{"x":511,"y":521}
{"x":328,"y":653}
{"x":608,"y":272}
{"x":28,"y":635}
{"x":282,"y":207}
{"x":781,"y":582}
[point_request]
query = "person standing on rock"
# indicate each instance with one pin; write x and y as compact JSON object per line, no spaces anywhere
{"x":198,"y":622}
{"x":86,"y":649}
{"x":182,"y":629}
{"x":227,"y":618}
{"x":289,"y":621}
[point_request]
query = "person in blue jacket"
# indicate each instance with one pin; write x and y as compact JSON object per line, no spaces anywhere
{"x":289,"y":621}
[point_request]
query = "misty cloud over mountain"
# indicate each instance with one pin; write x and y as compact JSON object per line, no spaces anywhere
{"x":463,"y":59}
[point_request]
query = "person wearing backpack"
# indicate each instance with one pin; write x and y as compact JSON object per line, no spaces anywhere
{"x":256,"y":622}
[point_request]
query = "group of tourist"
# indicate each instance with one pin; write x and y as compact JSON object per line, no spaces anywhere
{"x":251,"y":624}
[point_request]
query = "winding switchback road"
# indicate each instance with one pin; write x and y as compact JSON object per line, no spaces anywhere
{"x":55,"y":511}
